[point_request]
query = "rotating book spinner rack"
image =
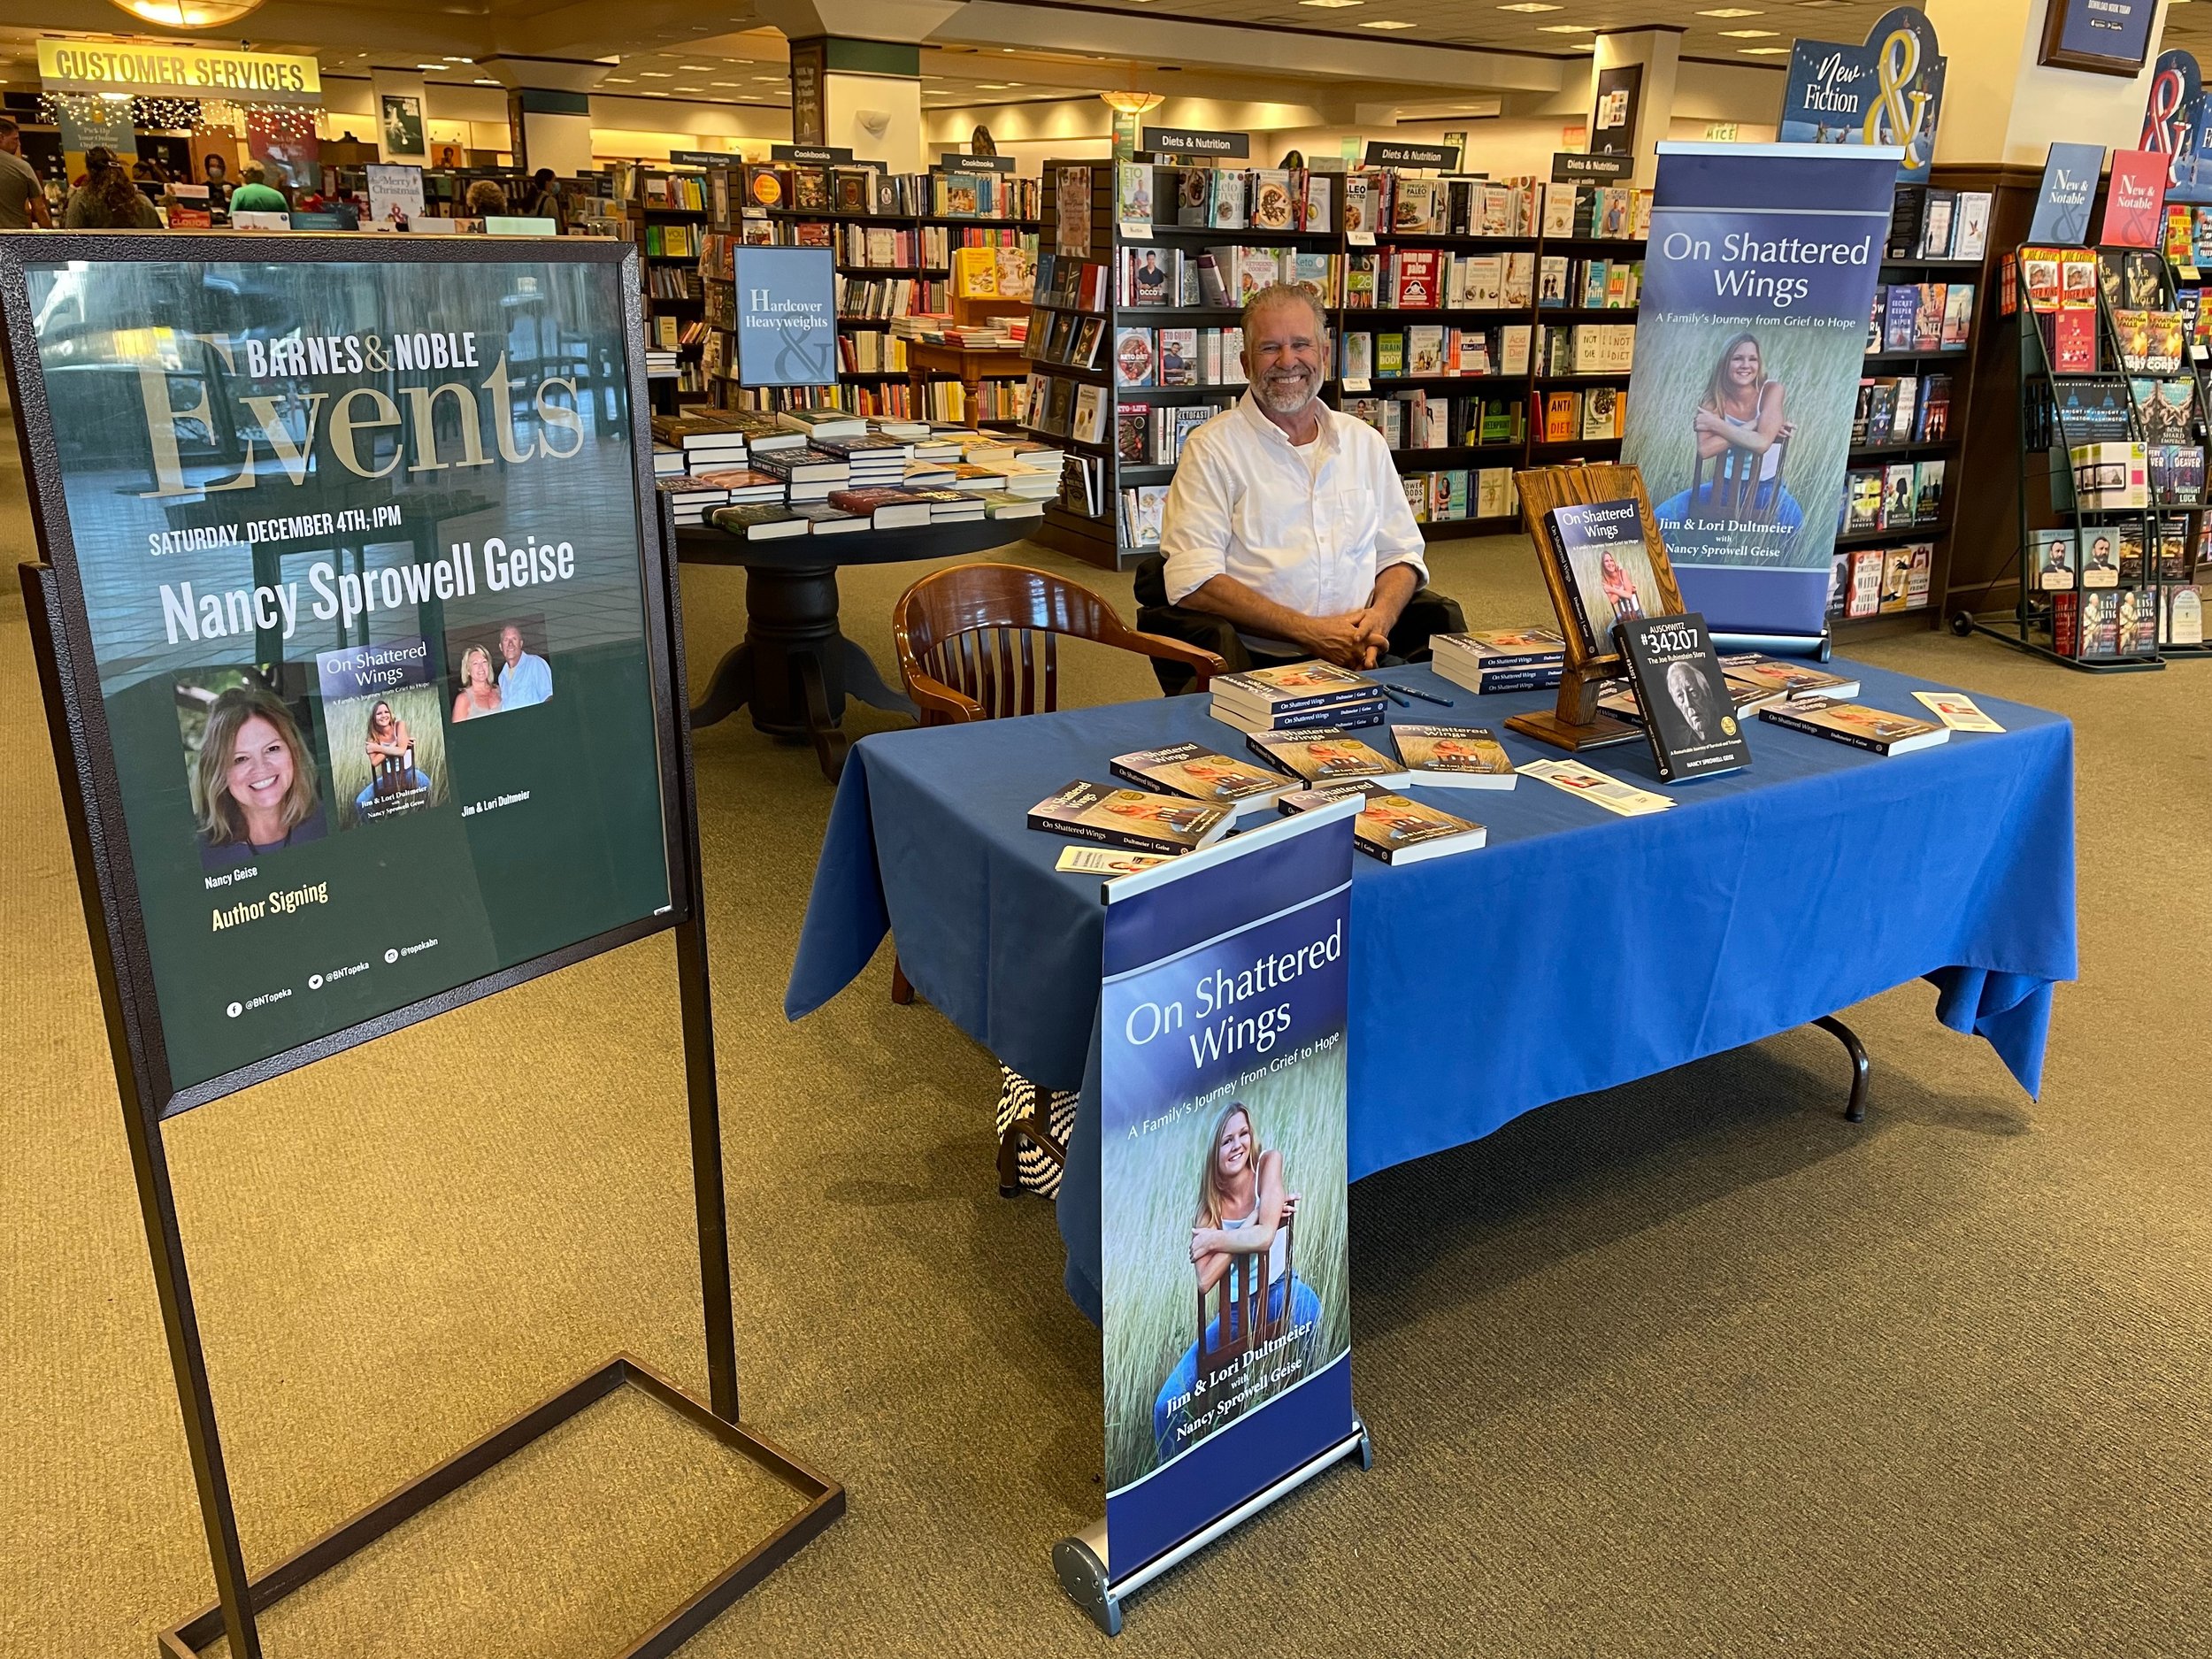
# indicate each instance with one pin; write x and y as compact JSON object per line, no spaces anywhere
{"x":2032,"y":626}
{"x":1574,"y":723}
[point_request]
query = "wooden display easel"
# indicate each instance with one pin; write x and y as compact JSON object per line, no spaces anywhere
{"x":1574,"y":723}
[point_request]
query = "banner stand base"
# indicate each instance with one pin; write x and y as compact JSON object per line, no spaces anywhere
{"x":825,"y":1502}
{"x":1820,"y":647}
{"x":1080,"y":1560}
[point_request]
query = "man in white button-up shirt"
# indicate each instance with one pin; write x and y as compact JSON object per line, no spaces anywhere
{"x":1287,"y":519}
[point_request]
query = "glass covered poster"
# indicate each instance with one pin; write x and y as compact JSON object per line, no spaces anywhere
{"x":363,"y":582}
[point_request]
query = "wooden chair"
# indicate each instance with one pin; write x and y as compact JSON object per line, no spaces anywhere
{"x":1733,"y":489}
{"x":1242,"y":1299}
{"x":391,"y":775}
{"x":968,"y":649}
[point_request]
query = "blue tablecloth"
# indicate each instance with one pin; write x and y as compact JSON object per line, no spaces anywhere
{"x":1819,"y":877}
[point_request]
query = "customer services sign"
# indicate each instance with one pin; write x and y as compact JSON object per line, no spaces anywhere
{"x":185,"y":71}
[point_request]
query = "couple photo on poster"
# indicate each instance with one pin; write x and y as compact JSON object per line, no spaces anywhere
{"x":498,"y":667}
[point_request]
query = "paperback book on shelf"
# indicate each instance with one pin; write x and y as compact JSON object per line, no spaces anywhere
{"x":1689,"y":715}
{"x":1454,"y":756}
{"x":1396,"y":828}
{"x":1876,"y":730}
{"x":1326,"y":755}
{"x":1203,"y":774}
{"x":1135,"y":818}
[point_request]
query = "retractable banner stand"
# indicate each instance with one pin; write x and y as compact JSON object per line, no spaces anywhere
{"x":1750,"y":340}
{"x":358,"y":640}
{"x":1227,"y":1317}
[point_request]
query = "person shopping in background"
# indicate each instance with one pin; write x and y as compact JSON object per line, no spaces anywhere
{"x":545,"y":199}
{"x":1742,"y":412}
{"x":107,"y":199}
{"x":255,"y":780}
{"x":256,"y":195}
{"x":22,"y":196}
{"x":486,"y":199}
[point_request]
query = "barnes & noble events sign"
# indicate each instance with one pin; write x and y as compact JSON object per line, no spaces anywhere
{"x":362,"y":571}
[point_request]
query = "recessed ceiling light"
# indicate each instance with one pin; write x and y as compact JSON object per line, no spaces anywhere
{"x":430,"y":66}
{"x":451,"y":59}
{"x":1389,"y":23}
{"x":1584,"y":46}
{"x":727,"y":84}
{"x":656,"y":74}
{"x":772,"y":77}
{"x":1763,"y":51}
{"x":1531,"y":5}
{"x":620,"y":81}
{"x":1731,"y":12}
{"x":651,"y":93}
{"x":1565,"y":28}
{"x":700,"y":69}
{"x":484,"y":81}
{"x":1747,"y":35}
{"x":1332,"y":4}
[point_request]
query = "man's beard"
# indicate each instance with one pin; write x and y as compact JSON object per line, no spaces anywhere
{"x":1287,"y":397}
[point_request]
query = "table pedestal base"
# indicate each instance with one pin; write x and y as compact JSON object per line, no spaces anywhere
{"x":795,"y":668}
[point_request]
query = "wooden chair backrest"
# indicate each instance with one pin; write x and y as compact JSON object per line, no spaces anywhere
{"x":390,"y":773}
{"x":1242,"y":1298}
{"x":974,"y":628}
{"x":1733,"y":489}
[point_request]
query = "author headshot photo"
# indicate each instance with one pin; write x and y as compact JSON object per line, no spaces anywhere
{"x":480,"y":686}
{"x":254,"y":782}
{"x":523,"y":679}
{"x":1244,"y":1206}
{"x":1693,"y":700}
{"x":1741,"y":423}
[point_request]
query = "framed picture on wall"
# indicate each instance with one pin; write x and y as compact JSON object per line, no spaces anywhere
{"x":2102,"y":37}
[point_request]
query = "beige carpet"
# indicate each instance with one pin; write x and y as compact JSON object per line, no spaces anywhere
{"x":1691,"y":1368}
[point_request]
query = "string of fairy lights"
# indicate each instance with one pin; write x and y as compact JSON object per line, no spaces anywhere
{"x":166,"y":114}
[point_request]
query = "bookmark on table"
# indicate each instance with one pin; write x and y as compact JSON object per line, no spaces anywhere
{"x":1957,"y":710}
{"x":1099,"y":861}
{"x":1609,"y":793}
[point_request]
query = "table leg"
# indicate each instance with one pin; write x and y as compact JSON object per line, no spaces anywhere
{"x":829,"y":742}
{"x":1854,"y":1111}
{"x":863,"y":681}
{"x":730,"y":689}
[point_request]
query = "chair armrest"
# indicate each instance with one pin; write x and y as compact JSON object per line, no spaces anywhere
{"x":939,"y":703}
{"x":1205,"y":663}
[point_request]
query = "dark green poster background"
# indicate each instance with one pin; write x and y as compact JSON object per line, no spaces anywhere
{"x":360,"y":551}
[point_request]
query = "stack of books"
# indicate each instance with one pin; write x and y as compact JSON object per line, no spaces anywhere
{"x":1500,"y":659}
{"x":1298,"y":696}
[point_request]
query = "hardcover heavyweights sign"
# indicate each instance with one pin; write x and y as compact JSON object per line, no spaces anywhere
{"x":1888,"y":90}
{"x":786,"y":315}
{"x":1750,"y":340}
{"x":363,"y":598}
{"x":1226,"y":1296}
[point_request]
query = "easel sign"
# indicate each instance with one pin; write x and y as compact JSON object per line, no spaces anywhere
{"x":1602,"y":560}
{"x":359,"y":642}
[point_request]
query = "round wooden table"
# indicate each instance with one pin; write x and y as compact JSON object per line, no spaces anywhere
{"x":794,"y":668}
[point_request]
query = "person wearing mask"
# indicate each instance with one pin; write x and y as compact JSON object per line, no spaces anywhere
{"x":485,"y":198}
{"x":107,"y":199}
{"x":256,"y":195}
{"x":545,"y":199}
{"x":217,"y":177}
{"x":22,"y":198}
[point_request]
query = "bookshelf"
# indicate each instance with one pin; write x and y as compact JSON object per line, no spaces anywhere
{"x":1457,"y":388}
{"x":1082,"y":521}
{"x":893,"y":258}
{"x":665,"y":212}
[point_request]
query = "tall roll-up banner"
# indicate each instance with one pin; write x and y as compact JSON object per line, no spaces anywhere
{"x":1758,"y":280}
{"x":1226,"y":1296}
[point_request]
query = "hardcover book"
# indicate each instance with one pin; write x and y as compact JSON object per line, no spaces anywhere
{"x":1135,"y":818}
{"x":2053,"y":560}
{"x":1396,"y":828}
{"x":1203,"y":774}
{"x":1689,"y":713}
{"x":1454,"y":756}
{"x":1875,"y":729}
{"x":1325,"y":755}
{"x":1605,"y":567}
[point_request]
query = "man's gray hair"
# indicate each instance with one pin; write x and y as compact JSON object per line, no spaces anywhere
{"x":1283,"y":294}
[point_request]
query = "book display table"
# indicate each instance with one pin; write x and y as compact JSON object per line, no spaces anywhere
{"x":969,"y":368}
{"x":1576,"y":952}
{"x":794,"y":667}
